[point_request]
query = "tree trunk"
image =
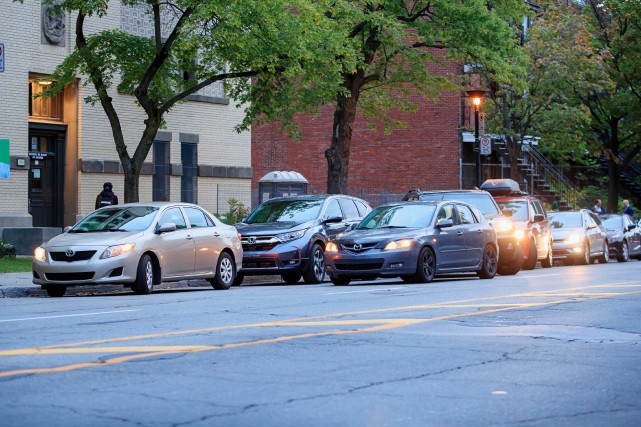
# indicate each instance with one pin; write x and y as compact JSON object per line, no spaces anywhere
{"x":338,"y":153}
{"x":132,"y":178}
{"x":613,"y":184}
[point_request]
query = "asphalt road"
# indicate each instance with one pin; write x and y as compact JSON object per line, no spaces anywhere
{"x":558,"y":346}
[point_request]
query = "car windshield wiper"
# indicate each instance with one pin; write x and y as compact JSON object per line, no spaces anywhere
{"x":392,"y":226}
{"x":113,"y":229}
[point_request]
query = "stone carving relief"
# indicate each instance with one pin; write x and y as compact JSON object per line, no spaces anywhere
{"x":53,"y":26}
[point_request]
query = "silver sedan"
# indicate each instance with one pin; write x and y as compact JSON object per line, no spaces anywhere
{"x":140,"y":245}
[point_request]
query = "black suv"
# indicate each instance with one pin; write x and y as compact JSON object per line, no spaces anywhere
{"x":287,"y":235}
{"x":510,"y":251}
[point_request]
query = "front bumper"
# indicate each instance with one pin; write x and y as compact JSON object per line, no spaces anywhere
{"x":282,"y":258}
{"x":373,"y":263}
{"x":563,"y":250}
{"x":120,"y":269}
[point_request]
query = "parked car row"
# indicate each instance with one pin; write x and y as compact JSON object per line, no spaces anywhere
{"x":494,"y":230}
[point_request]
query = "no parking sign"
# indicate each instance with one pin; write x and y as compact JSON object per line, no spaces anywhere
{"x":486,"y":146}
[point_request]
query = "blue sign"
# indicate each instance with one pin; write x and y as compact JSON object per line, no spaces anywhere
{"x":4,"y":158}
{"x":1,"y":57}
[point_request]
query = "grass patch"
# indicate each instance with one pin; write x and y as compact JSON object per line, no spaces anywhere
{"x":15,"y":265}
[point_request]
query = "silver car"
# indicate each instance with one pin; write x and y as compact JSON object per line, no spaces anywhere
{"x":578,"y":237}
{"x":140,"y":245}
{"x":414,"y":240}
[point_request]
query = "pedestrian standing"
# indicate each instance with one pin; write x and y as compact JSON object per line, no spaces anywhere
{"x":627,"y":209}
{"x":106,"y":197}
{"x":598,"y":208}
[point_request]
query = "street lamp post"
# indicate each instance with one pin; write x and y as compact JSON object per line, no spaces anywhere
{"x":477,"y":96}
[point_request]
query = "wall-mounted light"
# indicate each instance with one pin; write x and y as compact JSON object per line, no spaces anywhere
{"x":44,"y":82}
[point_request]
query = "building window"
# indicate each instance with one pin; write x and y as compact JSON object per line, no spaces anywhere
{"x":189,"y":181}
{"x":160,"y":183}
{"x":44,"y":108}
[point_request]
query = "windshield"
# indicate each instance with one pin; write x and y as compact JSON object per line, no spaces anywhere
{"x":483,"y":201}
{"x":286,"y":211}
{"x":398,"y":216}
{"x":566,"y":220}
{"x":612,"y":222}
{"x":519,"y":209}
{"x":135,"y":218}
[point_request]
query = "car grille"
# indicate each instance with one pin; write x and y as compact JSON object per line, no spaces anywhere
{"x":358,"y":247}
{"x":373,"y":265}
{"x":78,"y":256}
{"x":259,"y":264}
{"x":259,"y":243}
{"x":70,"y":276}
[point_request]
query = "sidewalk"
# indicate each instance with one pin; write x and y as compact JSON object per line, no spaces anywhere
{"x":20,"y":285}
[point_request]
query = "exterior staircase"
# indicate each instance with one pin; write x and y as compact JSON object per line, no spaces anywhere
{"x":546,"y":181}
{"x":629,"y":178}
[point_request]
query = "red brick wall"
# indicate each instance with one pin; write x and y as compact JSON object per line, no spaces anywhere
{"x":423,"y":155}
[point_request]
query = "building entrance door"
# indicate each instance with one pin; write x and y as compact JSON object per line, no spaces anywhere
{"x":46,"y":174}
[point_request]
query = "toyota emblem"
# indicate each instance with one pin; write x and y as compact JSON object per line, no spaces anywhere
{"x":358,"y":246}
{"x":70,"y":252}
{"x":251,"y":240}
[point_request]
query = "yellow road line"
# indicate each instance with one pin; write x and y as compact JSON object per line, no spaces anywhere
{"x":382,"y":324}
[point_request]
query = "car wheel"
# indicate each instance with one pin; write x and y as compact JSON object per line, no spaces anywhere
{"x":239,"y":279}
{"x":511,"y":268}
{"x":425,"y":266}
{"x":225,"y":273}
{"x":530,"y":262}
{"x":291,"y":278}
{"x":605,"y":258}
{"x":548,"y":261}
{"x":624,"y":256}
{"x":490,"y":263}
{"x":315,"y":272}
{"x":56,"y":291}
{"x":340,"y":281}
{"x":145,"y":276}
{"x":585,"y":258}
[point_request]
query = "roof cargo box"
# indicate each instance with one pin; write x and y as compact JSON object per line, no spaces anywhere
{"x":502,"y":187}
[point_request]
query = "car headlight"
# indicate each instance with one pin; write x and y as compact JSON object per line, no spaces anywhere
{"x":573,"y":238}
{"x":331,"y":247}
{"x":40,"y":254}
{"x":520,"y":234}
{"x":502,"y":225}
{"x":117,"y":250}
{"x":292,"y":235}
{"x":398,"y":244}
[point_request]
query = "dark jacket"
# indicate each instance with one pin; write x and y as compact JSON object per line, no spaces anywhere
{"x":106,"y":198}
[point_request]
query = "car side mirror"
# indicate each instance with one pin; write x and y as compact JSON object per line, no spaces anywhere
{"x":167,"y":227}
{"x":67,"y":228}
{"x":507,"y":212}
{"x":333,"y":219}
{"x":538,"y":218}
{"x":591,"y":226}
{"x":446,"y":223}
{"x":631,"y":226}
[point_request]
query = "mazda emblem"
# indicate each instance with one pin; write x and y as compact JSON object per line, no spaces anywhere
{"x":70,"y":252}
{"x":358,"y":246}
{"x":251,"y":240}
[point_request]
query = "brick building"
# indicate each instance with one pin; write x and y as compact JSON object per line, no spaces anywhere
{"x":62,"y":150}
{"x":426,"y":154}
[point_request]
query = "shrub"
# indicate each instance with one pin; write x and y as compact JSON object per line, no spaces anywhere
{"x":237,"y":211}
{"x":7,"y":250}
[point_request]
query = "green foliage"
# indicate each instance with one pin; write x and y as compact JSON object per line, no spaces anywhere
{"x":237,"y":211}
{"x":7,"y":250}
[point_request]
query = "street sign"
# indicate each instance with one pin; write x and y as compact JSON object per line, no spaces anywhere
{"x":486,"y":146}
{"x":481,"y":123}
{"x":1,"y":57}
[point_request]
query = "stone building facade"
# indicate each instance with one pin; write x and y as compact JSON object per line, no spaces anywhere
{"x":62,"y":150}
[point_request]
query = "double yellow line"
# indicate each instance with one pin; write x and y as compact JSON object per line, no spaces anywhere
{"x":480,"y":306}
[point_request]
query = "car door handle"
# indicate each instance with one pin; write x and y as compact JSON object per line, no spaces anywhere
{"x":216,"y":235}
{"x":189,"y":238}
{"x":460,"y":233}
{"x":479,"y":231}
